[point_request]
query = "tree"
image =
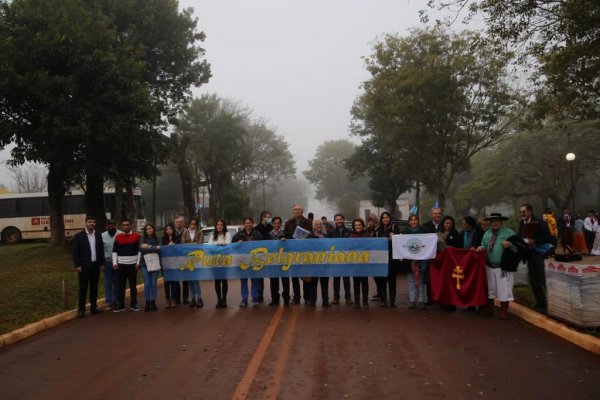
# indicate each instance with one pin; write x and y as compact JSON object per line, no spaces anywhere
{"x":95,"y":82}
{"x":215,"y":130}
{"x":29,"y":178}
{"x":434,"y":100}
{"x":558,"y":39}
{"x":327,"y":171}
{"x":270,"y":159}
{"x":537,"y":167}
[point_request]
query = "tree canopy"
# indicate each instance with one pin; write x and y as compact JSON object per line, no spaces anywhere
{"x":433,"y":101}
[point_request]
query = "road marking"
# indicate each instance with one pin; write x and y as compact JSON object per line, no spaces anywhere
{"x":284,"y":351}
{"x":242,"y":389}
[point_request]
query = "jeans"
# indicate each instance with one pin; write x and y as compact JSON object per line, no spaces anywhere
{"x":423,"y":265}
{"x":111,"y":283}
{"x":127,"y":273}
{"x":254,"y":287}
{"x":150,"y":283}
{"x":336,"y":288}
{"x":195,"y":291}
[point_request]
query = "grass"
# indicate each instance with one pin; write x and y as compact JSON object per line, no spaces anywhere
{"x":32,"y":276}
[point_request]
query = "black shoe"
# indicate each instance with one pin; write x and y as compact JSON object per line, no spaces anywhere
{"x":219,"y":303}
{"x":147,"y":308}
{"x":193,"y":303}
{"x":326,"y":304}
{"x":392,"y":304}
{"x":261,"y":299}
{"x":200,"y":303}
{"x":80,"y":314}
{"x":297,"y":301}
{"x":95,"y":311}
{"x":286,"y":303}
{"x":274,"y":303}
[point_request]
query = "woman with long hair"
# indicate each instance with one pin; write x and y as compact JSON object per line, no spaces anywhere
{"x":245,"y":235}
{"x":449,"y":233}
{"x":193,"y":234}
{"x":171,"y":287}
{"x":417,"y":290}
{"x":360,"y":282}
{"x":149,"y":244}
{"x":220,"y":237}
{"x":386,"y":229}
{"x":471,"y":235}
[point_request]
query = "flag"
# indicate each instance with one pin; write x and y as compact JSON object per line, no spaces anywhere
{"x":421,"y":246}
{"x":458,"y":277}
{"x":436,"y":204}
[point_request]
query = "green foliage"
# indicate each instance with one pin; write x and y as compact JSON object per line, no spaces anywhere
{"x":328,"y":172}
{"x":559,"y":40}
{"x":531,"y":164}
{"x":433,"y":101}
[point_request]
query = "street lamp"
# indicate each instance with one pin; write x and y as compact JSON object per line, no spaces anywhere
{"x":570,"y":158}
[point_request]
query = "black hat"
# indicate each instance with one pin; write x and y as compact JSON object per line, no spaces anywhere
{"x":496,"y":216}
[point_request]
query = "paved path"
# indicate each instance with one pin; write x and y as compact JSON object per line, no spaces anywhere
{"x":296,"y":353}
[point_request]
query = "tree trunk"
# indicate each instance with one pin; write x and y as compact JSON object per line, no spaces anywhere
{"x":94,"y":198}
{"x":56,"y":196}
{"x":418,"y":198}
{"x":117,"y":210}
{"x":131,"y":206}
{"x":189,"y":210}
{"x":153,"y":217}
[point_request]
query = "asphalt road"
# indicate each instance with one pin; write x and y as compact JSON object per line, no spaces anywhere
{"x":296,"y":353}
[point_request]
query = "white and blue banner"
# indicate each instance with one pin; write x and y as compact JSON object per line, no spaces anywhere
{"x":420,"y":246}
{"x":275,"y":258}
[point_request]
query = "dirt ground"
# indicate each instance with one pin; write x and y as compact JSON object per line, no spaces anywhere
{"x":296,"y":353}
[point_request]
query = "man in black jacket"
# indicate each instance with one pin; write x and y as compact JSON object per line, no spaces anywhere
{"x":340,"y":231}
{"x":535,"y":233}
{"x":88,"y":256}
{"x":433,"y":226}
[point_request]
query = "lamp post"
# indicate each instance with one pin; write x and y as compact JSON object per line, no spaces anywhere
{"x":570,"y":158}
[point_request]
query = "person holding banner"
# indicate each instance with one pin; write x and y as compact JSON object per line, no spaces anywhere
{"x":417,"y":289}
{"x":194,"y":235}
{"x":319,"y":233}
{"x":500,"y":281}
{"x":220,"y":237}
{"x":386,"y":229}
{"x":245,"y":235}
{"x":171,"y":287}
{"x":277,"y":233}
{"x":361,"y":283}
{"x":340,"y":231}
{"x":150,"y":265}
{"x":297,"y":227}
{"x":183,"y":290}
{"x":263,"y":227}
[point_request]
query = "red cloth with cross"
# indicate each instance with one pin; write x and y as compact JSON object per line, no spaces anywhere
{"x":458,"y":277}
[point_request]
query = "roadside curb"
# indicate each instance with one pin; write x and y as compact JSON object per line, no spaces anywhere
{"x":583,"y":340}
{"x":47,"y":323}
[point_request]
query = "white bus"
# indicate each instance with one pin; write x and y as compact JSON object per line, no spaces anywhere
{"x":26,"y":215}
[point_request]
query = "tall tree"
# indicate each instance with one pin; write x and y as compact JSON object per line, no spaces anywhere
{"x":559,"y":40}
{"x":334,"y":184}
{"x":433,"y":101}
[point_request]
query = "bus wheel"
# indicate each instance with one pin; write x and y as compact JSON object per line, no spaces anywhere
{"x":11,"y":236}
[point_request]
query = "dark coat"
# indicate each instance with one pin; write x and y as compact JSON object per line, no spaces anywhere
{"x":82,"y":255}
{"x":475,"y":239}
{"x":336,"y":233}
{"x":290,"y":226}
{"x":454,"y":239}
{"x":245,"y":237}
{"x":510,"y":259}
{"x":429,"y":227}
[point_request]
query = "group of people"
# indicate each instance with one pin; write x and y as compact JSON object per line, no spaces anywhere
{"x":121,"y":253}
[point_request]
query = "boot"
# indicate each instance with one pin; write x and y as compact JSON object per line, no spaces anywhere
{"x":153,"y":306}
{"x":503,"y":310}
{"x":147,"y":307}
{"x":488,"y":309}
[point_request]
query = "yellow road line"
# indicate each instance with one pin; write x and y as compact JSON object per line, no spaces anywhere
{"x":242,"y":389}
{"x":282,"y":356}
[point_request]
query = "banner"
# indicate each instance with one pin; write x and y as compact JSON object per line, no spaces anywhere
{"x":422,"y":246}
{"x":275,"y":258}
{"x":458,"y":277}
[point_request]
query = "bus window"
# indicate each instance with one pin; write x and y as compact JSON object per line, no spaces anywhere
{"x":32,"y":207}
{"x":74,"y":204}
{"x":8,"y":208}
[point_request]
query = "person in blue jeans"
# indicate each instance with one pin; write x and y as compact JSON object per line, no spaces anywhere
{"x":417,"y":289}
{"x":245,"y":235}
{"x":149,"y":244}
{"x":111,"y":277}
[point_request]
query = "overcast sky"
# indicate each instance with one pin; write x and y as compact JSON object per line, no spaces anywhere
{"x":297,"y":64}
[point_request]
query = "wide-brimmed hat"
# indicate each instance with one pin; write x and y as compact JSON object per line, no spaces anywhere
{"x":496,"y":216}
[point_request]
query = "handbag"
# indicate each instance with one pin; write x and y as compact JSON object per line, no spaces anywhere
{"x":152,"y":261}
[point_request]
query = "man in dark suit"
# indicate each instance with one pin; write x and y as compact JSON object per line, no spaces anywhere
{"x":536,"y":234}
{"x":433,"y":226}
{"x":297,"y":220}
{"x":88,"y":257}
{"x":340,"y":231}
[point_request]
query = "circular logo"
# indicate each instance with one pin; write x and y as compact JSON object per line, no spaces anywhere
{"x":414,"y":245}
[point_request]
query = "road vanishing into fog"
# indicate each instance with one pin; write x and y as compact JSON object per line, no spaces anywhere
{"x":296,"y":353}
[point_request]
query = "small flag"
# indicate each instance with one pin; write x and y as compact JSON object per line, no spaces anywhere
{"x":414,"y":210}
{"x":436,"y":204}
